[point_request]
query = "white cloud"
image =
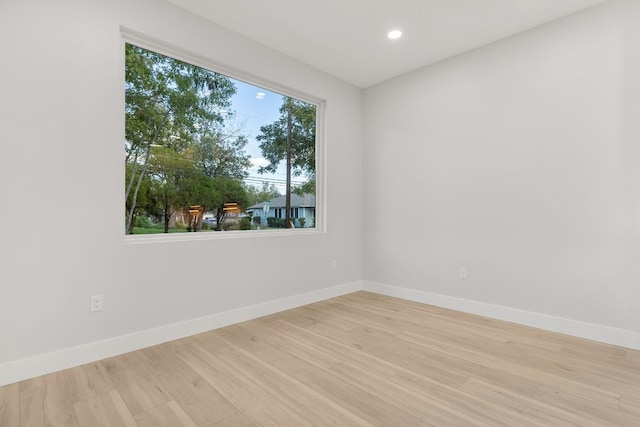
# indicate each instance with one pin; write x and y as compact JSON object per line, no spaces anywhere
{"x":257,"y":162}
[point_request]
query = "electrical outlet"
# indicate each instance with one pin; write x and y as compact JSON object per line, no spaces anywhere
{"x":334,"y":265}
{"x":96,"y":302}
{"x":462,"y":273}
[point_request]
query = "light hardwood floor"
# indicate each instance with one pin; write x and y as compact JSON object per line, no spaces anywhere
{"x":357,"y":360}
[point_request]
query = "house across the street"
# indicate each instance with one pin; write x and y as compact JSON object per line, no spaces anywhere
{"x":303,"y":210}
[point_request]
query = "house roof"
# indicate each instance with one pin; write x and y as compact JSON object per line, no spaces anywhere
{"x":305,"y":201}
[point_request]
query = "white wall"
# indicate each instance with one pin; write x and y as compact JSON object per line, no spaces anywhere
{"x":519,"y":161}
{"x":61,"y":186}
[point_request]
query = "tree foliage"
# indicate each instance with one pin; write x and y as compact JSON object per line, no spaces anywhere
{"x":273,"y":138}
{"x":228,"y":190}
{"x":291,"y":138}
{"x":268,"y":191}
{"x":220,"y":152}
{"x":179,"y":150}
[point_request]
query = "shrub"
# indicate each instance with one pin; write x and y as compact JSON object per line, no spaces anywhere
{"x":143,"y":222}
{"x":229,"y":224}
{"x":245,"y":223}
{"x":275,"y":222}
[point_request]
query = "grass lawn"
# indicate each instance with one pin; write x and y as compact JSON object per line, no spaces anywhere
{"x":140,"y":230}
{"x":154,"y":230}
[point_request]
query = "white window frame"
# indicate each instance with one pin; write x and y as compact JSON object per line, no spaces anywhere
{"x":147,"y":42}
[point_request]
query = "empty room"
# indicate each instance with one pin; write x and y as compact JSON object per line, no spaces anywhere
{"x":295,"y":213}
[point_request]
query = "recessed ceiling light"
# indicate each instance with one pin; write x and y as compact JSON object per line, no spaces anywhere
{"x":395,"y":34}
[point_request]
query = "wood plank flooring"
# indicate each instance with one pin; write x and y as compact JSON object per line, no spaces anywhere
{"x":357,"y":360}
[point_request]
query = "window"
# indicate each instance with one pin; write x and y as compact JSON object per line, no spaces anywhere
{"x":205,"y":152}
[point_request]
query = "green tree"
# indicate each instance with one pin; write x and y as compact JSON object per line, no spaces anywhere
{"x":220,"y":152}
{"x":227,"y":190}
{"x":182,"y":181}
{"x":268,"y":191}
{"x":146,"y":200}
{"x":170,"y":172}
{"x":291,"y":138}
{"x":220,"y":158}
{"x":168,"y":103}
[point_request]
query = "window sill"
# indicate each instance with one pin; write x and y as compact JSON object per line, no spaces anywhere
{"x":216,"y":235}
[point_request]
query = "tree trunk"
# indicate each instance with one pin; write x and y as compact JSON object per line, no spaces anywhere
{"x":287,"y":216}
{"x":130,"y":225}
{"x":134,"y":168}
{"x":144,"y":171}
{"x":132,"y":176}
{"x":135,"y":193}
{"x":167,"y":216}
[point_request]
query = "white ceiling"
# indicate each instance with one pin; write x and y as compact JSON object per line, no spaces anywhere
{"x":347,"y":38}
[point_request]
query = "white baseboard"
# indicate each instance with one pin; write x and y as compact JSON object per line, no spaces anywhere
{"x":590,"y":331}
{"x":22,"y":369}
{"x":31,"y":367}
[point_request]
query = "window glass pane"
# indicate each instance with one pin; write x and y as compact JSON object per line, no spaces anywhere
{"x":206,"y":152}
